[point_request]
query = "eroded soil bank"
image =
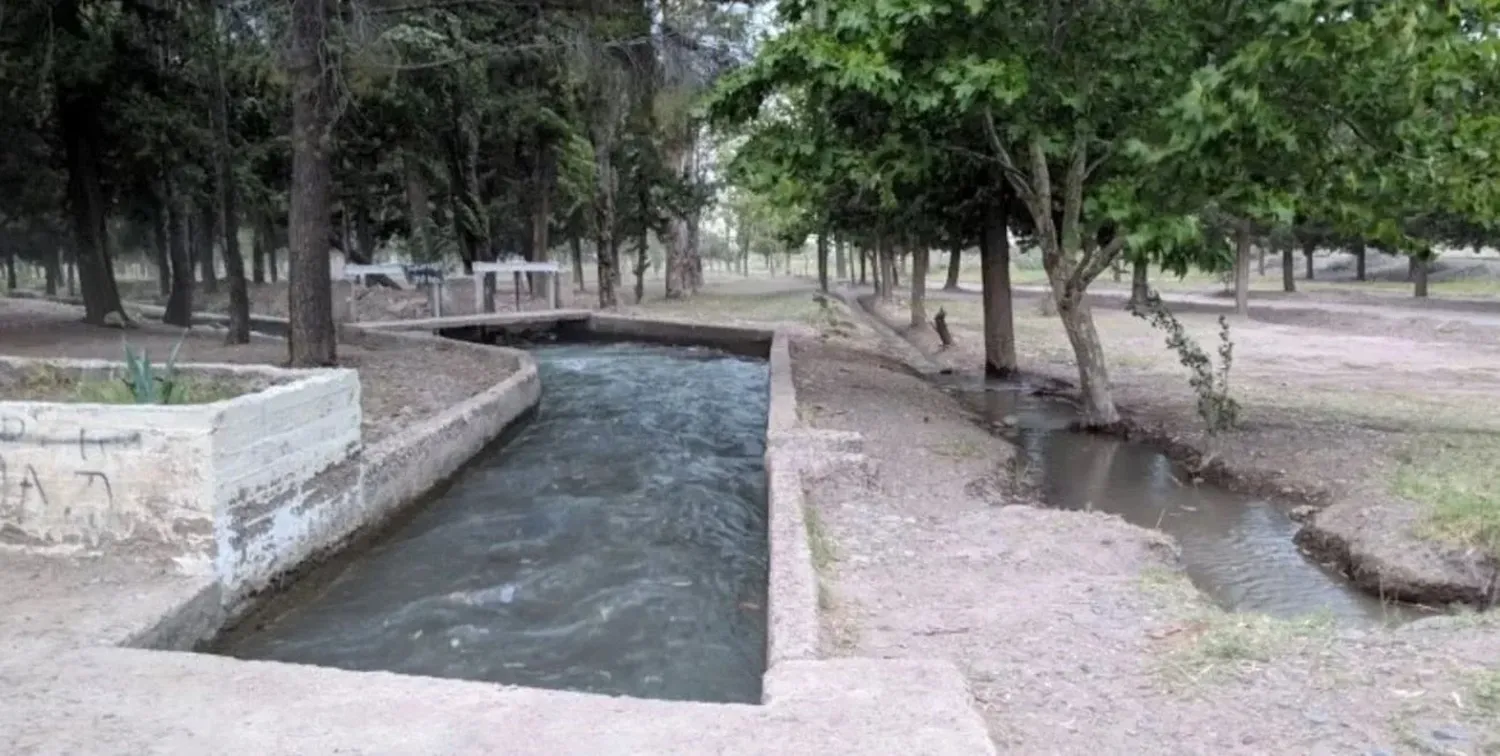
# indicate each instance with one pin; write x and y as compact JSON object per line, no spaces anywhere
{"x":1344,"y":423}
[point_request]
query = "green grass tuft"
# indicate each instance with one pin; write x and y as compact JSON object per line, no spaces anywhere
{"x":1459,"y":483}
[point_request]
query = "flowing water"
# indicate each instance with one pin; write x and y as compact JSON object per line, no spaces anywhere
{"x":616,"y":545}
{"x":1236,"y":549}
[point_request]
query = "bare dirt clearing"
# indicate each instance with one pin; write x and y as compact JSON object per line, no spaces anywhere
{"x":398,"y":387}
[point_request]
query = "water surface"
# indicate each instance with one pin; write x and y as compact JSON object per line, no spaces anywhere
{"x":616,"y":545}
{"x":1237,"y":549}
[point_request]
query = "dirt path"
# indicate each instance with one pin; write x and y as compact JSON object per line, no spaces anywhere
{"x":397,"y":386}
{"x":1076,"y":631}
{"x":1410,"y":319}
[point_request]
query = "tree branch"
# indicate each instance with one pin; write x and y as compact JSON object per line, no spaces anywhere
{"x":1098,"y":261}
{"x":1015,"y":175}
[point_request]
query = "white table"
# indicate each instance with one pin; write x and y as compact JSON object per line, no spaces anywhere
{"x":550,"y":269}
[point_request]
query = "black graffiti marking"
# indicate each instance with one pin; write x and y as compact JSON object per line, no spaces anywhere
{"x":12,"y":428}
{"x":84,"y":439}
{"x":93,"y":475}
{"x":102,"y":443}
{"x":30,"y":480}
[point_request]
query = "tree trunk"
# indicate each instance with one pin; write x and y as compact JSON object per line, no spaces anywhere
{"x":79,"y":119}
{"x":999,"y":321}
{"x":1288,"y":280}
{"x":955,"y":259}
{"x":642,"y":264}
{"x":841,"y":269}
{"x":160,"y":232}
{"x":918,"y":286}
{"x":1260,"y":260}
{"x":1307,"y":250}
{"x":312,"y":339}
{"x":72,"y":268}
{"x":1140,"y":287}
{"x":1359,"y":261}
{"x":604,"y":223}
{"x":1093,"y":374}
{"x":418,"y":212}
{"x":576,"y":245}
{"x":541,"y":211}
{"x":11,"y":279}
{"x":180,"y":300}
{"x":53,"y":269}
{"x":204,"y":223}
{"x":864,"y":254}
{"x":229,"y":222}
{"x":1419,"y":272}
{"x":258,"y":253}
{"x":271,"y":264}
{"x":1242,"y":271}
{"x":823,"y":261}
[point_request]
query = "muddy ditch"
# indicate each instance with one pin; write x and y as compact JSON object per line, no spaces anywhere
{"x":1239,"y":543}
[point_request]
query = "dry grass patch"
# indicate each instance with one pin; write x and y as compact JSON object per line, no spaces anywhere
{"x":1201,"y":644}
{"x":1456,"y":478}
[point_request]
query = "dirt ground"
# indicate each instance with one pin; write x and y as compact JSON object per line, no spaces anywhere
{"x":1342,"y":420}
{"x":398,"y":387}
{"x":1076,"y":631}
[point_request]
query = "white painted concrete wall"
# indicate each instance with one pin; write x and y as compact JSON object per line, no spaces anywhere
{"x":232,"y":488}
{"x":84,"y":475}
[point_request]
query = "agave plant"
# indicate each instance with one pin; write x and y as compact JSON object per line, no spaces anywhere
{"x":146,"y":387}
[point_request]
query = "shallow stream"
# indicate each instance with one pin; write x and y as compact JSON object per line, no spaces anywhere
{"x":1236,"y":549}
{"x":617,"y":544}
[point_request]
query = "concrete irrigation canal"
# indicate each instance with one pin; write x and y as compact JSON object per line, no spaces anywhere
{"x":616,"y":544}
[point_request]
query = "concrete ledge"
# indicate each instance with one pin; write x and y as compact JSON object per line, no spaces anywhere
{"x":406,"y":465}
{"x":127,"y":701}
{"x":753,"y":341}
{"x":498,"y":319}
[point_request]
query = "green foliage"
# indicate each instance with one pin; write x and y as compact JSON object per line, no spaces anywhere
{"x":1219,"y":410}
{"x":145,"y":384}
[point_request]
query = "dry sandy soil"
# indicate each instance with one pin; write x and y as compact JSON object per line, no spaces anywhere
{"x":1077,"y":631}
{"x":397,"y":386}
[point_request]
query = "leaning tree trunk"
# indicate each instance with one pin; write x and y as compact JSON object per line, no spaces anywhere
{"x":918,"y":286}
{"x":999,"y":320}
{"x":1140,"y":286}
{"x":955,"y":259}
{"x":180,"y":301}
{"x":1242,"y":271}
{"x":1093,"y":374}
{"x":1288,"y":265}
{"x":312,"y":339}
{"x":80,"y":121}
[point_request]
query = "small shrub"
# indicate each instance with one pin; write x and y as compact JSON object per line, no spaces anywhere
{"x":146,"y":387}
{"x":1218,"y":409}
